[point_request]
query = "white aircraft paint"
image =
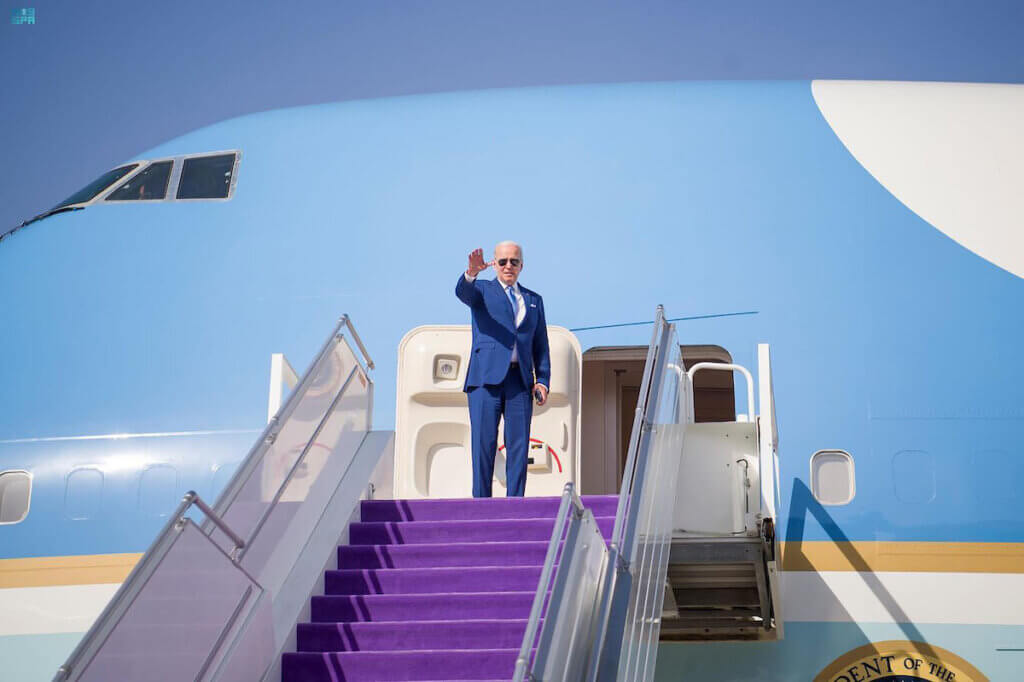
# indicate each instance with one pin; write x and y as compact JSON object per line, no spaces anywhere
{"x":953,"y":153}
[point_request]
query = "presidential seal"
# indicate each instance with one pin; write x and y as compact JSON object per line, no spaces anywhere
{"x":900,"y":661}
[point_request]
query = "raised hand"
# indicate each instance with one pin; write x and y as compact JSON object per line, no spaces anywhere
{"x":476,"y":263}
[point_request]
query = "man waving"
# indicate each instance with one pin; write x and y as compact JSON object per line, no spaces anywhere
{"x":509,"y":364}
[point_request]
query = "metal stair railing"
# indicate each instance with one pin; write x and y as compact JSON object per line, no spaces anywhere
{"x":562,"y":642}
{"x":203,"y":593}
{"x":608,"y":629}
{"x":626,"y":640}
{"x":617,"y":580}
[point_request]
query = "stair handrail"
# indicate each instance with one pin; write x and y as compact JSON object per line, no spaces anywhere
{"x":562,"y":643}
{"x":629,"y":591}
{"x":625,"y":645}
{"x":111,"y":615}
{"x":299,"y":461}
{"x":729,"y":367}
{"x":622,"y":510}
{"x":270,"y":431}
{"x":611,"y":599}
{"x":570,"y":502}
{"x":347,"y":322}
{"x":101,"y":629}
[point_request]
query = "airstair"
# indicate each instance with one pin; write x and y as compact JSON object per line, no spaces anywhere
{"x":305,"y":570}
{"x":430,"y":590}
{"x":722,"y":579}
{"x":693,"y":553}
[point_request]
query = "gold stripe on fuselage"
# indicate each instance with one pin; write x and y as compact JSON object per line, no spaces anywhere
{"x":863,"y":556}
{"x":87,"y":569}
{"x":906,"y":557}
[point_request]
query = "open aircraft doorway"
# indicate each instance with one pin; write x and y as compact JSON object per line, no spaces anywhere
{"x":611,"y":387}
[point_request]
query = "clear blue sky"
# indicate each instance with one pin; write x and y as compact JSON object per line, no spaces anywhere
{"x":92,"y":84}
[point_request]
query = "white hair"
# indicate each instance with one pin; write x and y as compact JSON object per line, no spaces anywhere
{"x":509,"y":242}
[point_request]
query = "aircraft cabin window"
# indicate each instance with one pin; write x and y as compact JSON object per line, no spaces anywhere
{"x":90,"y":191}
{"x":15,"y":495}
{"x":148,"y":185}
{"x":833,"y":480}
{"x":207,"y":177}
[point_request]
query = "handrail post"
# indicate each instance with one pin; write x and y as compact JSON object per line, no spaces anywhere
{"x":359,"y":342}
{"x":219,"y":522}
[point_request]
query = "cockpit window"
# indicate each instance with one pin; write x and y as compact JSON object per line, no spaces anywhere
{"x":147,"y":185}
{"x":98,"y":185}
{"x":206,"y":177}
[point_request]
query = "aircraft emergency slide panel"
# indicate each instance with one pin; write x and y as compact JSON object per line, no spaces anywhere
{"x":432,"y":433}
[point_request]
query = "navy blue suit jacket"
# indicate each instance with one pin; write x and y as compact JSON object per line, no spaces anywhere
{"x":494,"y":332}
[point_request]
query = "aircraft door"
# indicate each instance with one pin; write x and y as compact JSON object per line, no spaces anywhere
{"x":432,"y":430}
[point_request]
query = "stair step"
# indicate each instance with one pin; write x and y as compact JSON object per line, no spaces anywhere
{"x":417,"y":607}
{"x":531,"y":553}
{"x":432,"y":580}
{"x":697,"y":571}
{"x":470,"y":509}
{"x":431,"y":590}
{"x":710,"y":631}
{"x":435,"y":532}
{"x":396,"y":666}
{"x":714,"y":618}
{"x":712,"y":582}
{"x":399,"y":635}
{"x":720,"y":597}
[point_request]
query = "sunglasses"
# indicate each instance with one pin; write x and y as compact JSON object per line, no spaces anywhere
{"x":514,"y":261}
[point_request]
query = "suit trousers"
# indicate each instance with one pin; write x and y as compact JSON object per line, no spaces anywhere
{"x":513,"y":399}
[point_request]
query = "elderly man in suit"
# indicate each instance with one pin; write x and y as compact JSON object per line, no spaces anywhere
{"x":509,"y":364}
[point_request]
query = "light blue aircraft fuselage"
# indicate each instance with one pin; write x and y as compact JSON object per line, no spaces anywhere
{"x":136,"y":337}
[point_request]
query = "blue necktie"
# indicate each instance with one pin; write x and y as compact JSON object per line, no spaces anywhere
{"x":515,"y":310}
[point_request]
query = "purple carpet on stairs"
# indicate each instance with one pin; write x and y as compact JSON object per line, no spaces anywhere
{"x":431,"y":590}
